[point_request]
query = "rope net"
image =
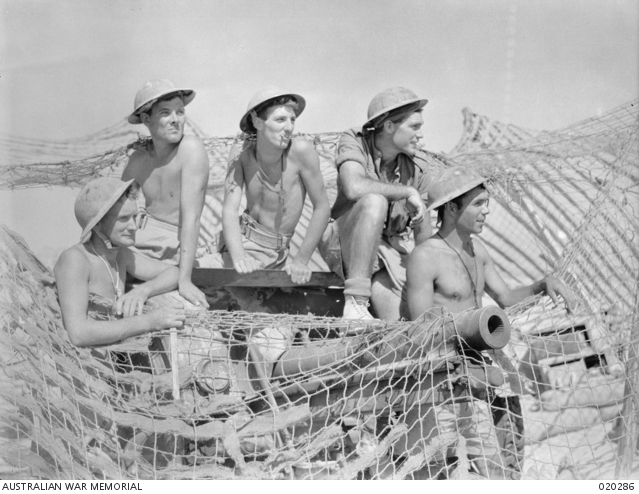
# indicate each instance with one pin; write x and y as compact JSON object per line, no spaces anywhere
{"x":531,"y":393}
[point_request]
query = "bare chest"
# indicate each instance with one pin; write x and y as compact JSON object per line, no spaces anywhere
{"x":460,"y":278}
{"x":162,"y":180}
{"x":274,"y":185}
{"x":106,"y":280}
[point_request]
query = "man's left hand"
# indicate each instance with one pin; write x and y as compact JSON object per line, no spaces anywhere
{"x":554,"y":287}
{"x":416,"y":208}
{"x":298,"y":271}
{"x":192,"y":293}
{"x":131,"y":303}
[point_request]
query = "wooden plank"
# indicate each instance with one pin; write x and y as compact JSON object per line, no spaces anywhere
{"x":264,"y":278}
{"x":566,"y":359}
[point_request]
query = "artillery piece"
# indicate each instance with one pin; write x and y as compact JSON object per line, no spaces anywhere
{"x":353,"y":377}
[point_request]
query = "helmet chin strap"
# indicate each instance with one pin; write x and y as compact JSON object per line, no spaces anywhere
{"x":104,"y":238}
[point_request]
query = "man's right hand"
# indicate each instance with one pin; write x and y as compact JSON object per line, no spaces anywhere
{"x":553,"y":287}
{"x":167,"y":317}
{"x":247,"y":265}
{"x":415,"y":206}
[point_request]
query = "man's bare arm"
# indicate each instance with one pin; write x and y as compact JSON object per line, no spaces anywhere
{"x":356,"y":185}
{"x":314,"y":184}
{"x":233,"y":188}
{"x":72,"y":280}
{"x":497,"y":288}
{"x":423,"y":230}
{"x":158,"y":277}
{"x":421,"y":273}
{"x":195,"y":177}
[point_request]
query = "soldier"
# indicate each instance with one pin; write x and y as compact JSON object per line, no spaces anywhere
{"x":90,"y":276}
{"x":173,"y":171}
{"x":276,"y":171}
{"x":451,"y":270}
{"x":379,"y":211}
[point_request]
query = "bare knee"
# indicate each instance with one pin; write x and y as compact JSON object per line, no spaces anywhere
{"x":373,"y":207}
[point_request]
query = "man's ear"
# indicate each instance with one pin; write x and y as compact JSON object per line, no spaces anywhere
{"x":451,"y":207}
{"x":257,"y":121}
{"x":389,"y":126}
{"x":145,"y":118}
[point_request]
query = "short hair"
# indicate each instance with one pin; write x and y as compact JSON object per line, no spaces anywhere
{"x":458,"y":201}
{"x":262,"y":110}
{"x":397,"y":116}
{"x":148,"y":108}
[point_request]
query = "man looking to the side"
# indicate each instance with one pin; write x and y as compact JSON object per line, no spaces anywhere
{"x":451,"y":270}
{"x":379,"y":210}
{"x":172,"y":170}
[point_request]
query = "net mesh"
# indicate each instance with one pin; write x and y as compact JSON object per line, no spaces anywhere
{"x":256,"y":395}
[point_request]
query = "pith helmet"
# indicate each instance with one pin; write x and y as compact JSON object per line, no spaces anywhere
{"x":265,"y":95}
{"x":94,"y":201}
{"x":451,"y":183}
{"x":154,"y":90}
{"x":390,"y":99}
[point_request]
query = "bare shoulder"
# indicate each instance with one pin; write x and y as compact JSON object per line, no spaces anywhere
{"x":192,"y":153}
{"x":74,"y":258}
{"x":303,"y":151}
{"x":136,"y":161}
{"x":480,"y":250}
{"x":427,"y":255}
{"x":242,"y":151}
{"x":191,"y":144}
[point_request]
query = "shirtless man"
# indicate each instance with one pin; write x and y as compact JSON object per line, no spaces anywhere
{"x":90,"y":276}
{"x":173,"y":171}
{"x":379,"y":210}
{"x":451,"y":270}
{"x":277,"y":172}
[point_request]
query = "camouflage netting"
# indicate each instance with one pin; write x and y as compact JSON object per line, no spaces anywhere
{"x":254,"y":395}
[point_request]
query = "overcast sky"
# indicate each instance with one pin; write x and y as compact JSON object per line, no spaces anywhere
{"x":70,"y":68}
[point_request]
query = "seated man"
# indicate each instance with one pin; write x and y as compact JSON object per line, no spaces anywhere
{"x":383,"y":178}
{"x":173,"y":171}
{"x":451,"y":270}
{"x":276,"y":171}
{"x":90,"y":276}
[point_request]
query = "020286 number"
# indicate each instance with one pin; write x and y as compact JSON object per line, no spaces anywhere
{"x":616,"y":486}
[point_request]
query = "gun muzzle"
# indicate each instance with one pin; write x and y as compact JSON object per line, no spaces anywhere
{"x":484,"y":329}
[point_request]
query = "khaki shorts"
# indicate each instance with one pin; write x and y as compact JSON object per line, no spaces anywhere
{"x":160,"y":240}
{"x":258,"y":243}
{"x":392,"y":254}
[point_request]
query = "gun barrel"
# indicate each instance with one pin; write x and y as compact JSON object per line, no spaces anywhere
{"x":484,"y":329}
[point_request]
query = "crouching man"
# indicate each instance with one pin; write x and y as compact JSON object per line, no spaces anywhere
{"x":379,"y":210}
{"x":451,"y":270}
{"x":90,"y":276}
{"x":276,"y":171}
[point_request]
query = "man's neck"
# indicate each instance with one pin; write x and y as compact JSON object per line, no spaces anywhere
{"x":162,"y":149}
{"x":454,"y":238}
{"x":386,"y":149}
{"x":266,"y":154}
{"x":97,"y":246}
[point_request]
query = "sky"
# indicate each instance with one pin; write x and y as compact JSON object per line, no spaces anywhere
{"x":72,"y":67}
